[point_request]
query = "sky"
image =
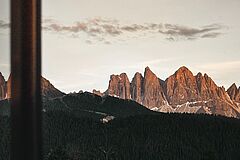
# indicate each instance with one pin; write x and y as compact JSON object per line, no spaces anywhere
{"x":84,"y":42}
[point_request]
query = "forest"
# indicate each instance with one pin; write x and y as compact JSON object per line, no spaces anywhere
{"x":138,"y":135}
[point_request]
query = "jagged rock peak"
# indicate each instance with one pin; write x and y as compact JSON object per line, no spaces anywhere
{"x":234,"y":92}
{"x":183,"y":71}
{"x":137,"y":78}
{"x":145,"y":90}
{"x":153,"y":94}
{"x":233,"y":87}
{"x":209,"y":81}
{"x":181,"y":87}
{"x":137,"y":74}
{"x":199,"y":74}
{"x":149,"y":76}
{"x":2,"y":87}
{"x":137,"y":87}
{"x":2,"y":79}
{"x":9,"y":86}
{"x":147,"y":68}
{"x":122,"y":75}
{"x":148,"y":72}
{"x":119,"y":86}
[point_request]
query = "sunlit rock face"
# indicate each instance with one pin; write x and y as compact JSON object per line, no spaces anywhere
{"x":119,"y":86}
{"x":9,"y":86}
{"x":3,"y":87}
{"x":153,"y":95}
{"x":198,"y":91}
{"x":181,"y":92}
{"x":181,"y":87}
{"x":137,"y":87}
{"x":234,"y":93}
{"x":145,"y":90}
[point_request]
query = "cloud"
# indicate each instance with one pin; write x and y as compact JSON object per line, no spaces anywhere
{"x":4,"y":25}
{"x":101,"y":29}
{"x":93,"y":27}
{"x":191,"y":33}
{"x":211,"y":35}
{"x":88,"y":42}
{"x":135,"y":28}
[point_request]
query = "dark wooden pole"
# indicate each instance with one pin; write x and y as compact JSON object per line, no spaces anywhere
{"x":26,"y":74}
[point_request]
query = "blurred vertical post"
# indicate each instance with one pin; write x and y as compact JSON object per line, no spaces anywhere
{"x":26,"y":80}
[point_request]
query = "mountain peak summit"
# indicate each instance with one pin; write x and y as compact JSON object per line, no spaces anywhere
{"x":183,"y":70}
{"x":147,"y":69}
{"x":234,"y":86}
{"x":2,"y":87}
{"x":149,"y":73}
{"x":234,"y":92}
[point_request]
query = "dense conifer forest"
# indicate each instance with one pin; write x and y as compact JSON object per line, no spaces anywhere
{"x":139,"y":135}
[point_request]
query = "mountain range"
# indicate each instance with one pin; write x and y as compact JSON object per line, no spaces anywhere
{"x":181,"y":92}
{"x":88,"y":125}
{"x":48,"y":90}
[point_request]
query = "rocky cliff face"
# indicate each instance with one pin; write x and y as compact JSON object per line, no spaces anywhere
{"x":9,"y":86}
{"x":200,"y":90}
{"x":119,"y":86}
{"x":234,"y":93}
{"x":3,"y":87}
{"x":153,"y":95}
{"x":137,"y":87}
{"x":145,"y":90}
{"x":216,"y":98}
{"x":181,"y":87}
{"x":48,"y":90}
{"x":181,"y":92}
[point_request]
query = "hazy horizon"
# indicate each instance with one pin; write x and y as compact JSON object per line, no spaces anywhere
{"x":85,"y":42}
